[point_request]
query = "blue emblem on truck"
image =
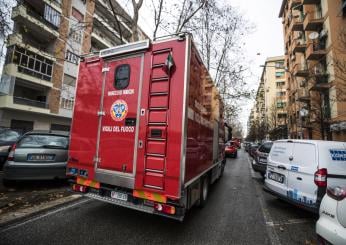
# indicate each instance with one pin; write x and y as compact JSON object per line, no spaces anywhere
{"x":338,"y":155}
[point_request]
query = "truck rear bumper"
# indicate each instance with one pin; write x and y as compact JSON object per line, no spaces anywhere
{"x":132,"y":205}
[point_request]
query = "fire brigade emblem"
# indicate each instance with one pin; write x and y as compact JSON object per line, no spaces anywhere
{"x":119,"y":110}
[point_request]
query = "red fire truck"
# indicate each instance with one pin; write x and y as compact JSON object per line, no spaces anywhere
{"x":147,"y":130}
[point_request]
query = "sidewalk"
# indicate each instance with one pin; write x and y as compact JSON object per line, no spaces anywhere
{"x":28,"y":197}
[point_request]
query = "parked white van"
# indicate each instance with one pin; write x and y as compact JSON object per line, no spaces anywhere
{"x":299,"y":171}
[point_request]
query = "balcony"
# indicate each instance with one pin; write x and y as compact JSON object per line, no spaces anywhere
{"x":315,"y":51}
{"x":297,"y":22}
{"x":38,"y":22}
{"x":298,"y":46}
{"x":300,"y":70}
{"x":303,"y":95}
{"x":27,"y":65}
{"x":313,"y":21}
{"x":321,"y":81}
{"x":311,"y":1}
{"x":294,"y":3}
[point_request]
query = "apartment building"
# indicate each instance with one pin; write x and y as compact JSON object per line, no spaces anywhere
{"x":39,"y":76}
{"x":315,"y":60}
{"x":275,"y":96}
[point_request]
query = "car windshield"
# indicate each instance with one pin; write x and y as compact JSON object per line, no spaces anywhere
{"x":266,"y":147}
{"x":8,"y":135}
{"x":43,"y":141}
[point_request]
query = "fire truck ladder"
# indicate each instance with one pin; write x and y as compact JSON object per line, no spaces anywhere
{"x":157,"y":123}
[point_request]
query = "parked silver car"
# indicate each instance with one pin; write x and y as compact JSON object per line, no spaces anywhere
{"x":331,"y":226}
{"x":38,"y":155}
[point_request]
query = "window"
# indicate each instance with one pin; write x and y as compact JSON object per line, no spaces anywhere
{"x":33,"y":64}
{"x":280,"y":84}
{"x":67,"y":103}
{"x":76,"y":35}
{"x":51,"y":15}
{"x":59,"y":127}
{"x":78,"y":15}
{"x":279,"y":74}
{"x":265,"y":147}
{"x":41,"y":140}
{"x":122,"y":76}
{"x":279,"y":65}
{"x":280,"y":104}
{"x":280,"y":93}
{"x":71,"y":57}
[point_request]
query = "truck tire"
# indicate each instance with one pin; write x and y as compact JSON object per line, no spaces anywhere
{"x":204,"y":192}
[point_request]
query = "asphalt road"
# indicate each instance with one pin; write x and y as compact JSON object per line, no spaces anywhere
{"x":237,"y":212}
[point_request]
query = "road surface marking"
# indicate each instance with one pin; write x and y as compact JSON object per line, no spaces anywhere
{"x":45,"y":215}
{"x":289,"y":222}
{"x":273,"y":236}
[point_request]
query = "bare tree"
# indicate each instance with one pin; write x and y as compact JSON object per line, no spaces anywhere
{"x":136,"y":6}
{"x":157,"y":16}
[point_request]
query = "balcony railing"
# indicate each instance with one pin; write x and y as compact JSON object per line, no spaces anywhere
{"x":297,"y":21}
{"x":30,"y":63}
{"x":316,"y":50}
{"x":45,"y":24}
{"x":313,"y":21}
{"x":299,"y":45}
{"x":300,"y":70}
{"x":294,"y":3}
{"x":303,"y":95}
{"x":311,"y":1}
{"x":29,"y":102}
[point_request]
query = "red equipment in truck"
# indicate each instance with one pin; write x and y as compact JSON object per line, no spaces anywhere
{"x":147,"y":129}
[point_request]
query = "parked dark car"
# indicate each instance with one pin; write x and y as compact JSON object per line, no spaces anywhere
{"x":38,"y":155}
{"x":7,"y":138}
{"x":231,"y":149}
{"x":259,"y":163}
{"x":252,"y":149}
{"x":247,"y":146}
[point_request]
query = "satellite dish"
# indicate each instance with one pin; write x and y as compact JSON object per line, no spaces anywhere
{"x":313,"y":35}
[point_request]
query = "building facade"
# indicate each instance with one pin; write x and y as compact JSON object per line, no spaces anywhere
{"x":39,"y":77}
{"x":275,"y":97}
{"x":315,"y":61}
{"x":269,"y":113}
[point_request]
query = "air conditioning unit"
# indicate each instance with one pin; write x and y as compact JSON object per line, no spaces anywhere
{"x":342,"y":125}
{"x":335,"y":127}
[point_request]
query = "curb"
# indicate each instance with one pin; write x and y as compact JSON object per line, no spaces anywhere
{"x":25,"y":214}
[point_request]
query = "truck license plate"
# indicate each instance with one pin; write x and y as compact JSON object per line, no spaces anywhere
{"x":118,"y":195}
{"x":276,"y":177}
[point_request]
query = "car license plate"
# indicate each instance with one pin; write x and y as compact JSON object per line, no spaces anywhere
{"x":118,"y":195}
{"x":40,"y":157}
{"x":276,"y":177}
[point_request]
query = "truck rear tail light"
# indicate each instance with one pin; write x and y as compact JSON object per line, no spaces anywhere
{"x":321,"y":177}
{"x":163,"y":208}
{"x":79,"y":188}
{"x":336,"y":192}
{"x":11,"y":154}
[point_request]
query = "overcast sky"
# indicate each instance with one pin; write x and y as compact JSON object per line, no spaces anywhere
{"x":266,"y":40}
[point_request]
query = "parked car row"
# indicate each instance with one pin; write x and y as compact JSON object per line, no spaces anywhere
{"x":37,"y":155}
{"x":310,"y":174}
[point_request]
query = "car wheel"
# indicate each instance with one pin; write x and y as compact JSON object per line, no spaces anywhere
{"x":8,"y":183}
{"x":204,"y":192}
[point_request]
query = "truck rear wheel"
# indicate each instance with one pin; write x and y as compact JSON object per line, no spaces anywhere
{"x":204,"y":192}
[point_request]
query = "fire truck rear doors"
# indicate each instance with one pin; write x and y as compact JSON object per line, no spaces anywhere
{"x":117,"y":141}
